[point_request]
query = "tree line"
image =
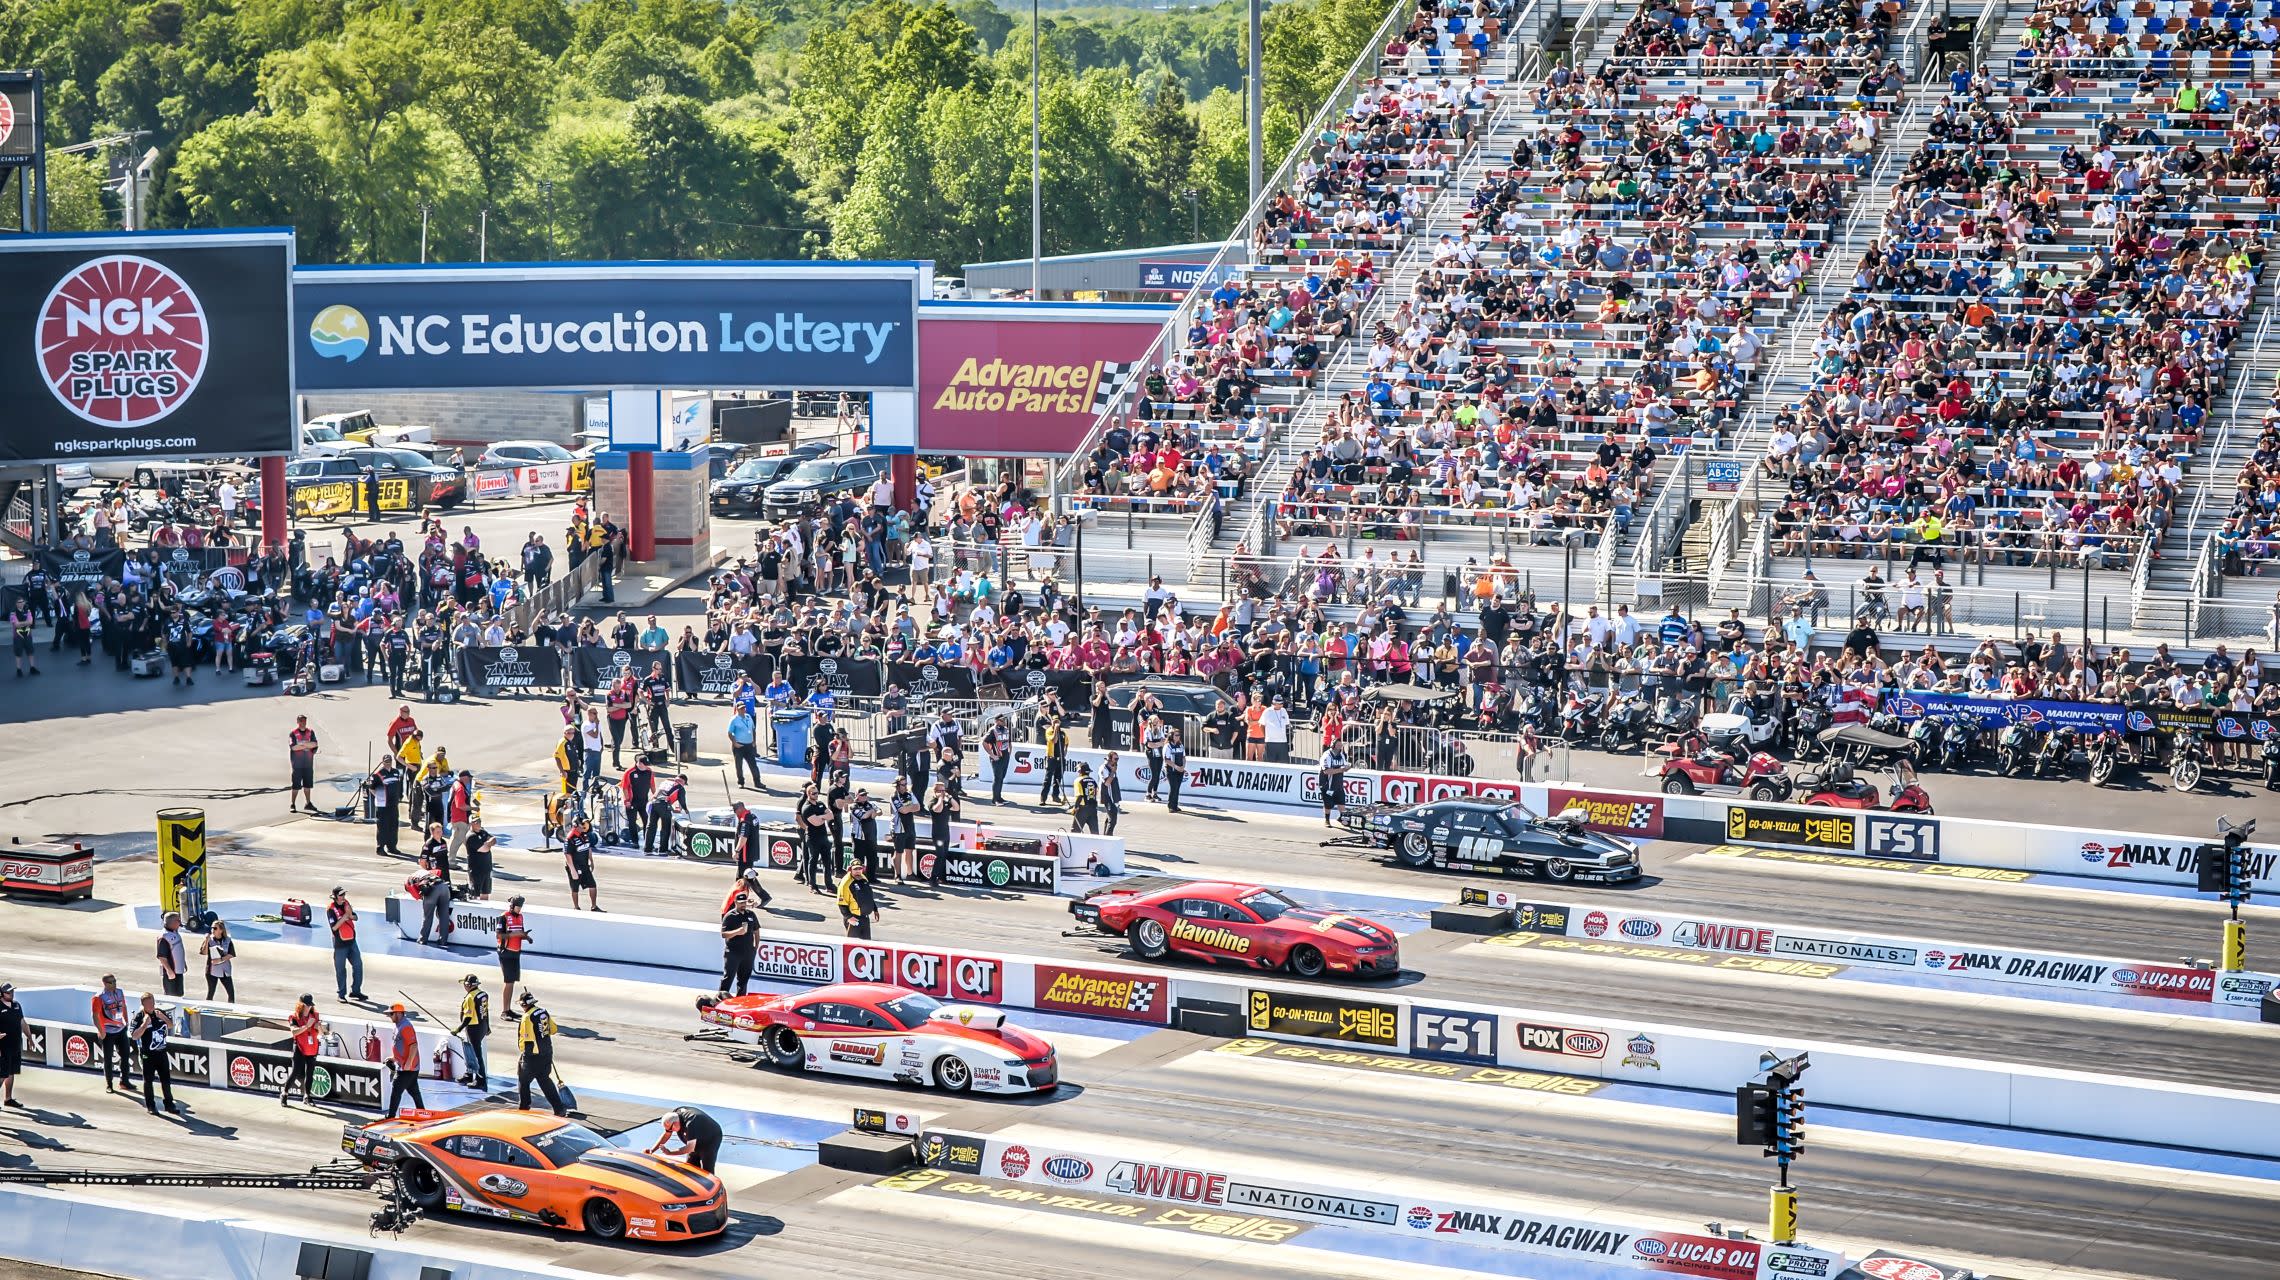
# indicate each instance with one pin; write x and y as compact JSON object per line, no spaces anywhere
{"x":611,"y":129}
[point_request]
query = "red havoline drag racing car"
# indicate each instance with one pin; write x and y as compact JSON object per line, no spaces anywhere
{"x":1243,"y":924}
{"x":882,"y":1032}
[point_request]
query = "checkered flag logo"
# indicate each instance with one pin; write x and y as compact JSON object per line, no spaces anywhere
{"x":1114,"y":374}
{"x":1142,"y":998}
{"x":1642,"y":817}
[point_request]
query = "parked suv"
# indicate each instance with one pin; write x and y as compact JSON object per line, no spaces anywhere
{"x":819,"y":480}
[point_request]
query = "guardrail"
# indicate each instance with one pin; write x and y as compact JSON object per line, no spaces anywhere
{"x":558,"y":596}
{"x":1234,"y":251}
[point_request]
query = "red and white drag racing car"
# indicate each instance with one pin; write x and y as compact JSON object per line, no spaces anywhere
{"x":882,"y":1032}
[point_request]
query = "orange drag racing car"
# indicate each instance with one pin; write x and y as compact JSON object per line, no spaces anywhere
{"x":537,"y":1168}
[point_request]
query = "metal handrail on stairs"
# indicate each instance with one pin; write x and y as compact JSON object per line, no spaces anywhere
{"x":1237,"y":247}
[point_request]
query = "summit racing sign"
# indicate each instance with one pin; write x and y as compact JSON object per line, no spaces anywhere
{"x":145,"y":346}
{"x":582,"y":325}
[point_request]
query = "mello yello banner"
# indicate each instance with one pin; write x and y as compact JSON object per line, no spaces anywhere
{"x":1014,"y":378}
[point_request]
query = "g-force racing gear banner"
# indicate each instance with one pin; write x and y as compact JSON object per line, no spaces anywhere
{"x":146,"y":346}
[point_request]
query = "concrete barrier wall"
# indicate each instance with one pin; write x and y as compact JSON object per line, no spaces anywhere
{"x":1928,"y":1085}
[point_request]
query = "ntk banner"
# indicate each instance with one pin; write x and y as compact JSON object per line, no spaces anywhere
{"x":1024,"y":379}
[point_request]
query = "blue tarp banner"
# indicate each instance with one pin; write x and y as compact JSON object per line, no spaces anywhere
{"x":2089,"y":717}
{"x":583,"y":326}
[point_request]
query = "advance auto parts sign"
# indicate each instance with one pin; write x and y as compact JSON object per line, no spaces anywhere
{"x":174,"y":346}
{"x":1290,"y":1013}
{"x":1025,"y":384}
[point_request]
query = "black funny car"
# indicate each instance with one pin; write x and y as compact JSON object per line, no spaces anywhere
{"x":1495,"y":835}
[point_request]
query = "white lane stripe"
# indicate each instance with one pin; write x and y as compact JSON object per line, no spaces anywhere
{"x":2116,"y":897}
{"x":1182,"y":1252}
{"x":2138,"y":1020}
{"x":1366,"y":1084}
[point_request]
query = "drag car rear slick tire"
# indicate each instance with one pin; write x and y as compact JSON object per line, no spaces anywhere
{"x":1414,"y":850}
{"x":1149,"y":941}
{"x":783,"y":1047}
{"x":604,"y":1221}
{"x":952,"y":1075}
{"x":1558,"y":870}
{"x":423,"y":1186}
{"x":1678,"y":784}
{"x":1306,"y":962}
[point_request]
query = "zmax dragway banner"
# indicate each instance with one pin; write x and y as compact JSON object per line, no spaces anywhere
{"x":145,"y":346}
{"x":1010,"y":379}
{"x":586,"y":325}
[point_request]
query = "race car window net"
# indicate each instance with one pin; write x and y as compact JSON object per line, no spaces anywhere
{"x":566,"y":1144}
{"x":911,"y":1010}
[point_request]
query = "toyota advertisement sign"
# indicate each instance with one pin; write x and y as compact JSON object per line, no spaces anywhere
{"x":131,"y":346}
{"x":585,"y":325}
{"x":1003,"y":380}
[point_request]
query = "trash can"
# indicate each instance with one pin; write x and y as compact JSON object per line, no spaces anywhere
{"x":685,"y":737}
{"x":791,"y":738}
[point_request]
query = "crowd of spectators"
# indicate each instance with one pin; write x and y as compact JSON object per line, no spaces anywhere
{"x":1715,"y":35}
{"x":2069,"y":38}
{"x":2031,"y":350}
{"x":1319,"y":246}
{"x":2248,"y":543}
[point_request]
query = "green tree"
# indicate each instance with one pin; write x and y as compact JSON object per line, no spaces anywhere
{"x":726,"y":70}
{"x":632,"y":64}
{"x":257,"y":170}
{"x":1159,"y":140}
{"x":76,"y":198}
{"x":492,"y":92}
{"x":357,"y":91}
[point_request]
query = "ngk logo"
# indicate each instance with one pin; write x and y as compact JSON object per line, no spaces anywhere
{"x":936,"y":974}
{"x":7,"y":117}
{"x":122,"y":341}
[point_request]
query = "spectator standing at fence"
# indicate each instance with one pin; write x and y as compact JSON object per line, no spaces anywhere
{"x":1525,"y":752}
{"x":1152,"y":739}
{"x":743,"y":747}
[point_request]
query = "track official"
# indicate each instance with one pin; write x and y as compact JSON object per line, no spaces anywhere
{"x":474,"y":1027}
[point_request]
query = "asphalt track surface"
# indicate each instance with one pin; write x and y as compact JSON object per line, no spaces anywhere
{"x":1669,"y":1160}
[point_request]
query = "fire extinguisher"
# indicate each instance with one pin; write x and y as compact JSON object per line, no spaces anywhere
{"x":371,"y":1044}
{"x":446,"y":1063}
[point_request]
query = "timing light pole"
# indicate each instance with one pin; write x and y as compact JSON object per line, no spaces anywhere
{"x":1258,"y":103}
{"x":1772,"y":1115}
{"x":2224,"y":869}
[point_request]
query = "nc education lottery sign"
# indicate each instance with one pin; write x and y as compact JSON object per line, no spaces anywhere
{"x":175,"y":346}
{"x":583,"y":326}
{"x":1008,"y":379}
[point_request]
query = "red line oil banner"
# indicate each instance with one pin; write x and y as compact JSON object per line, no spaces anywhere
{"x":146,"y":346}
{"x":1016,"y":378}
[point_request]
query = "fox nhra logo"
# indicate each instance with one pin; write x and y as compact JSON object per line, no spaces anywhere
{"x":933,"y":972}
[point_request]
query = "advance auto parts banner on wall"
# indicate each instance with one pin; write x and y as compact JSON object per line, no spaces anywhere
{"x":847,"y":325}
{"x":146,"y":346}
{"x":1007,"y":379}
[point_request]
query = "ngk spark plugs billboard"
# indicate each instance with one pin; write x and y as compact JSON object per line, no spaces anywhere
{"x":1010,"y":379}
{"x":128,"y":346}
{"x":845,"y":326}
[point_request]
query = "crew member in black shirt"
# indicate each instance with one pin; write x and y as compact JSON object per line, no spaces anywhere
{"x":814,"y":816}
{"x":398,"y":644}
{"x":479,"y":845}
{"x":578,"y":862}
{"x":747,"y":838}
{"x":637,"y":785}
{"x":693,"y":1134}
{"x":739,"y":936}
{"x":387,"y":783}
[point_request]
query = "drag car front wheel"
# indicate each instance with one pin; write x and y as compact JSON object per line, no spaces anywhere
{"x":953,"y":1075}
{"x":603,"y":1220}
{"x":1306,"y":962}
{"x":784,"y":1048}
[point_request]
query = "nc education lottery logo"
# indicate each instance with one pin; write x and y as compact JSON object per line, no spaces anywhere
{"x":122,"y":341}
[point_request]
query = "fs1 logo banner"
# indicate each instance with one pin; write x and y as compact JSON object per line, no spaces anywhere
{"x":146,"y":346}
{"x":845,"y":326}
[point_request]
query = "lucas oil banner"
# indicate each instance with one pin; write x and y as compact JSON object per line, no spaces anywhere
{"x":1016,"y":378}
{"x":577,"y":326}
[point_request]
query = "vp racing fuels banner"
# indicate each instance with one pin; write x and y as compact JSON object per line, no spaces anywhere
{"x":149,"y":345}
{"x":2089,"y":717}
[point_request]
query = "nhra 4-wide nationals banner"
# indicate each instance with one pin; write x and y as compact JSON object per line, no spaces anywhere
{"x":141,"y":346}
{"x":1001,"y":379}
